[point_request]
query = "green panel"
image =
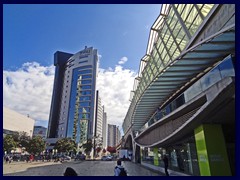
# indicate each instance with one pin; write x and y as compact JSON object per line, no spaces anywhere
{"x":202,"y":152}
{"x":211,"y":150}
{"x":217,"y":152}
{"x":155,"y":158}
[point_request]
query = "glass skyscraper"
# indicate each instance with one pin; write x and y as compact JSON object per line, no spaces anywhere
{"x":72,"y":111}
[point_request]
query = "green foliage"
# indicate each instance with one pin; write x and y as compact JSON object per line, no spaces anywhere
{"x":9,"y":143}
{"x":36,"y":145}
{"x":65,"y":145}
{"x":88,"y":146}
{"x":22,"y":139}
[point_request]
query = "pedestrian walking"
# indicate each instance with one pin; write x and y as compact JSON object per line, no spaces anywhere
{"x":124,"y":158}
{"x":119,"y":169}
{"x":165,"y":160}
{"x":70,"y":172}
{"x":28,"y":158}
{"x":31,"y":158}
{"x":7,"y":159}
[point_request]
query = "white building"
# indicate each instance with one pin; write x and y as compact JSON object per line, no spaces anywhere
{"x":104,"y":129}
{"x":16,"y":122}
{"x":99,"y":122}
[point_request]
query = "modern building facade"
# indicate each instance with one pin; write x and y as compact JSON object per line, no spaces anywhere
{"x":183,"y":100}
{"x":40,"y":131}
{"x":16,"y":122}
{"x":73,"y":105}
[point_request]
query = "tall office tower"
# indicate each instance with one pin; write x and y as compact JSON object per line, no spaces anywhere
{"x":104,"y":129}
{"x":114,"y":135}
{"x":118,"y":136}
{"x":72,"y":111}
{"x":111,"y":135}
{"x":99,"y":118}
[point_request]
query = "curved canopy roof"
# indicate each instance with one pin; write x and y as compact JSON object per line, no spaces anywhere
{"x":190,"y":65}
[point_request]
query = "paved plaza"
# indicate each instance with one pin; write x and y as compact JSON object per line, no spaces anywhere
{"x":83,"y":168}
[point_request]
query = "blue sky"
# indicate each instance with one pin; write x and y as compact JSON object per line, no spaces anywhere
{"x":33,"y":33}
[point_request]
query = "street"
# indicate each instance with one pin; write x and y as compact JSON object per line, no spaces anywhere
{"x":83,"y":168}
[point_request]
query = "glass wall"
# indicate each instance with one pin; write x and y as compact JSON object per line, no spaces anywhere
{"x":80,"y":101}
{"x":182,"y":157}
{"x":147,"y":155}
{"x":224,"y":69}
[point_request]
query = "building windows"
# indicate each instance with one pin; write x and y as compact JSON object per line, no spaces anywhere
{"x":85,"y":67}
{"x":85,"y":92}
{"x":85,"y":98}
{"x":86,"y":81}
{"x":86,"y":76}
{"x":85,"y":87}
{"x":89,"y":71}
{"x":82,"y":104}
{"x":82,"y":62}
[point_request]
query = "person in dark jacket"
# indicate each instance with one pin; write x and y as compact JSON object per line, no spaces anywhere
{"x":70,"y":172}
{"x":119,"y":169}
{"x":165,"y":160}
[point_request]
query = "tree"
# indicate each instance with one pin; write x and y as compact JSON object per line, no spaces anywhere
{"x":22,"y":139}
{"x":65,"y":145}
{"x":9,"y":143}
{"x":111,"y":149}
{"x":88,"y":146}
{"x":36,"y":145}
{"x":98,"y":149}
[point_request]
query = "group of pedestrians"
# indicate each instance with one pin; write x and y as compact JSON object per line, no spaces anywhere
{"x":118,"y":170}
{"x":8,"y":159}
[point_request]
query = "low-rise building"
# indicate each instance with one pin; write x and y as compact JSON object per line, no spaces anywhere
{"x":15,"y":122}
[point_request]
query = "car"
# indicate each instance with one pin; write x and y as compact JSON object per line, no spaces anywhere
{"x":65,"y":158}
{"x":107,"y":158}
{"x":80,"y":157}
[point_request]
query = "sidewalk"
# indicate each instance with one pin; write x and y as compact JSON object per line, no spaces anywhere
{"x":14,"y":167}
{"x":134,"y":169}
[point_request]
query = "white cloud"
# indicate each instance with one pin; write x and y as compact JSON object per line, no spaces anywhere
{"x":122,"y":60}
{"x":114,"y":87}
{"x":29,"y":89}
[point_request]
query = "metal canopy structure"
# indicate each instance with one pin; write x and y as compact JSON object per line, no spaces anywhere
{"x":185,"y":42}
{"x":189,"y":65}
